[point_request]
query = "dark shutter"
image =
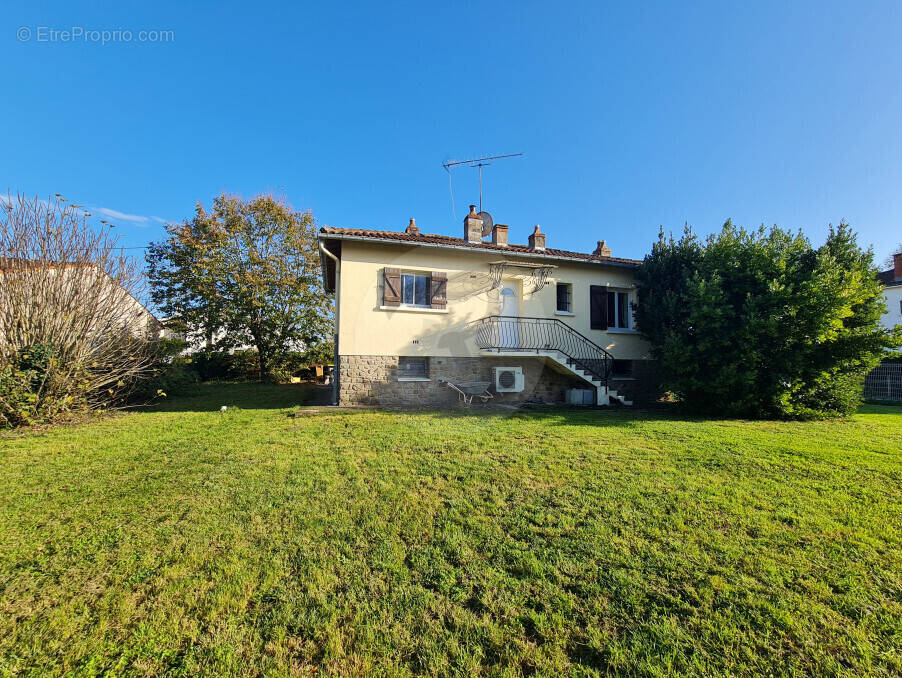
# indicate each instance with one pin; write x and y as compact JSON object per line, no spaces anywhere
{"x":598,"y":307}
{"x":438,"y":296}
{"x":391,"y":288}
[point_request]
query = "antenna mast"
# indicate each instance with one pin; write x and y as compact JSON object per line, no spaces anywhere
{"x":479,"y":163}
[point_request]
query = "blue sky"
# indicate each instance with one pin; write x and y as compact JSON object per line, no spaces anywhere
{"x":630,"y":116}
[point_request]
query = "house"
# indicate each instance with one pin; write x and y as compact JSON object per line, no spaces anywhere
{"x":415,"y":312}
{"x":196,"y":340}
{"x":45,"y":292}
{"x":892,"y":282}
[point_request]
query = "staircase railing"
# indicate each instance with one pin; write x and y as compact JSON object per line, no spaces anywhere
{"x":511,"y":333}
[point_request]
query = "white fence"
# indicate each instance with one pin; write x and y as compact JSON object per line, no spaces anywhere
{"x":884,"y":382}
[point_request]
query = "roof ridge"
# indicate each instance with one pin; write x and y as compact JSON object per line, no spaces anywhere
{"x":438,"y":239}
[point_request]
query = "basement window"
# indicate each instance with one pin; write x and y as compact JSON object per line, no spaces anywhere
{"x":413,"y":369}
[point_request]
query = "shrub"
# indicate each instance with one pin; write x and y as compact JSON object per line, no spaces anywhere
{"x":33,"y":390}
{"x":174,"y":379}
{"x":16,"y":397}
{"x":211,"y":365}
{"x":215,"y":365}
{"x":74,"y":334}
{"x":761,"y":323}
{"x":218,"y":365}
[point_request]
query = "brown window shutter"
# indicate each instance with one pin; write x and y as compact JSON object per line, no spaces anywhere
{"x":598,"y":307}
{"x":391,"y":287}
{"x":438,"y":297}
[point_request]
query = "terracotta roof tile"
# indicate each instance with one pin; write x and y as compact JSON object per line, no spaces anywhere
{"x":433,"y":239}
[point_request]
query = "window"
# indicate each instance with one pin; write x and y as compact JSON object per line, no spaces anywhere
{"x":413,"y":368}
{"x":619,"y":310}
{"x":564,"y":297}
{"x":414,"y":289}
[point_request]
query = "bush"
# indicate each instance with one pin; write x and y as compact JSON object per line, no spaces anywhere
{"x":215,"y":365}
{"x":761,"y":323}
{"x":17,"y":398}
{"x":33,"y":390}
{"x":219,"y":365}
{"x":173,"y":379}
{"x":288,"y":365}
{"x":74,"y":334}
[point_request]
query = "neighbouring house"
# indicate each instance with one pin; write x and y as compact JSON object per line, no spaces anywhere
{"x":40,"y":296}
{"x":415,"y":311}
{"x":194,"y":338}
{"x":892,"y":283}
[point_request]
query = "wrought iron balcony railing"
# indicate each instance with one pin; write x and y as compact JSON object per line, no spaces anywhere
{"x":528,"y":335}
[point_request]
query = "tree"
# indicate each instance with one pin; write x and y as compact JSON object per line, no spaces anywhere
{"x":246,"y":272}
{"x":761,"y":323}
{"x":73,"y":334}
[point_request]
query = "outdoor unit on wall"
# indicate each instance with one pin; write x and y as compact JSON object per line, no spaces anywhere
{"x":509,"y":380}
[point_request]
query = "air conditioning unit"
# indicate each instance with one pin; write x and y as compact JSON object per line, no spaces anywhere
{"x":509,"y":380}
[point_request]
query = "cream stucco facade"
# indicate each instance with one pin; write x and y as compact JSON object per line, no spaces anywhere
{"x":367,"y":327}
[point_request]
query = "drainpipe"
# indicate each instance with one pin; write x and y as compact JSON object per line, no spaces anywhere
{"x":335,"y":369}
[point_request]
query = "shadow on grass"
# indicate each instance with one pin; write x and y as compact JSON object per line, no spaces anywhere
{"x":261,"y":396}
{"x":554,"y":415}
{"x":880,"y":408}
{"x":624,"y":417}
{"x":245,"y":395}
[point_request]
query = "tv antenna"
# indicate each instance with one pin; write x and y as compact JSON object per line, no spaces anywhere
{"x":474,"y":162}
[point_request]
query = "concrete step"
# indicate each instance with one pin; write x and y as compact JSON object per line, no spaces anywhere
{"x":620,"y":398}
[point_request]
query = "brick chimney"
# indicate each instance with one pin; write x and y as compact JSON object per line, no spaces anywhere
{"x":602,"y":250}
{"x":537,"y":240}
{"x":499,"y":235}
{"x":472,"y":226}
{"x":897,"y":266}
{"x":412,"y":228}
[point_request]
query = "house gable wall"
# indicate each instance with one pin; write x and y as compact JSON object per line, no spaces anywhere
{"x":893,"y":315}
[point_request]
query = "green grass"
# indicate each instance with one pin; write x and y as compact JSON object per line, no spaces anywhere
{"x":183,"y":541}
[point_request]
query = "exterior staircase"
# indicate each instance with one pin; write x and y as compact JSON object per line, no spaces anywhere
{"x":554,"y":340}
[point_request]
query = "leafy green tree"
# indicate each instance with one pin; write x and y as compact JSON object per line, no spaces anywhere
{"x":244,"y":273}
{"x":761,"y":323}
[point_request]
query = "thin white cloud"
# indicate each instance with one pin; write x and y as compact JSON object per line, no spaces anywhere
{"x":116,"y":215}
{"x":122,"y":216}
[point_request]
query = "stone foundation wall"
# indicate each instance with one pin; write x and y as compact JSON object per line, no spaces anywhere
{"x":373,"y":380}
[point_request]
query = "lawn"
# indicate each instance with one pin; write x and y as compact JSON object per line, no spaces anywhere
{"x":270,"y":541}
